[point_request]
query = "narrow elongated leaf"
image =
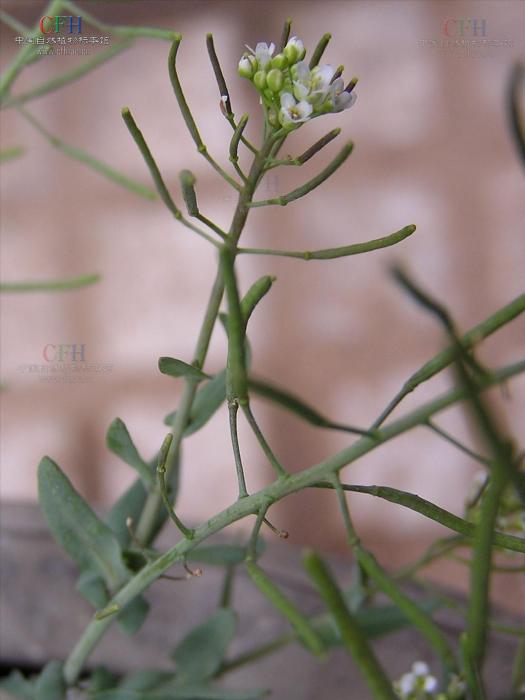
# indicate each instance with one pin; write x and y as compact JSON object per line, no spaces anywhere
{"x":177,"y":368}
{"x":119,"y":441}
{"x":50,"y":285}
{"x":50,"y":683}
{"x":16,"y":686}
{"x":182,"y":693}
{"x":296,"y":405}
{"x":87,"y":540}
{"x":200,"y":653}
{"x":11,"y":153}
{"x":207,"y":401}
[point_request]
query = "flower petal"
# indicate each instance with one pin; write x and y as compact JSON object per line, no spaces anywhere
{"x":287,"y":100}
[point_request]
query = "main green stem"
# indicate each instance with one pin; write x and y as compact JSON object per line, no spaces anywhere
{"x":250,"y":505}
{"x":153,"y":503}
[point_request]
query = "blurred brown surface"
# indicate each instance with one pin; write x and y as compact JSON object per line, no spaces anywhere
{"x":432,"y":147}
{"x":292,"y":673}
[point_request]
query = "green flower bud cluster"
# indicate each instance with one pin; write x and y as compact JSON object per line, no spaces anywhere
{"x":290,"y":91}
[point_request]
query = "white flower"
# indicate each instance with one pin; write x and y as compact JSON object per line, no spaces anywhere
{"x":312,"y":85}
{"x":339,"y":98}
{"x":430,"y":685}
{"x":420,"y":668}
{"x":263,"y":53}
{"x":293,"y":112}
{"x":320,"y":78}
{"x":407,"y":684}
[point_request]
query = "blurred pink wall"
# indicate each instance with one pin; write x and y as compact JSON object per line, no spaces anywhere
{"x":432,"y":148}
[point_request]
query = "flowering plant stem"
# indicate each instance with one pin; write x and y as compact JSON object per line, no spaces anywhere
{"x":251,"y":505}
{"x":292,"y":92}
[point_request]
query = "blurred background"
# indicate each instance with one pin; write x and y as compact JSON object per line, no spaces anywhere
{"x":432,"y":147}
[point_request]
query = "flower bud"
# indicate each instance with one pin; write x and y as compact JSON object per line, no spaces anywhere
{"x":274,"y":80}
{"x":259,"y":80}
{"x":280,"y":61}
{"x":273,"y":117}
{"x":246,"y":67}
{"x":294,"y":50}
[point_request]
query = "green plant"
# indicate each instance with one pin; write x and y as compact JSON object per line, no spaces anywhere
{"x":117,"y":557}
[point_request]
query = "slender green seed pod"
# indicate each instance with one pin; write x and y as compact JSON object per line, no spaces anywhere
{"x":163,"y":453}
{"x":219,"y":76}
{"x":338,"y":73}
{"x":237,"y":135}
{"x":254,"y":295}
{"x":236,"y":378}
{"x":352,"y":636}
{"x":285,"y":34}
{"x":187,"y":182}
{"x":299,"y":622}
{"x":150,"y":162}
{"x":177,"y":89}
{"x":319,"y":50}
{"x":324,"y":141}
{"x":161,"y":475}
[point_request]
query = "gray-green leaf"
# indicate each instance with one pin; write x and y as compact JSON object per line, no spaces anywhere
{"x":87,"y":540}
{"x":50,"y":683}
{"x":129,"y":505}
{"x":178,"y":368}
{"x":91,"y":585}
{"x":133,"y":615}
{"x":119,"y":441}
{"x":17,"y":686}
{"x":207,"y":401}
{"x":102,"y":679}
{"x":146,"y":679}
{"x":200,"y":653}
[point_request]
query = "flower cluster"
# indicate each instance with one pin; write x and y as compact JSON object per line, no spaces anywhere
{"x":419,"y":684}
{"x":290,"y":90}
{"x":511,"y":513}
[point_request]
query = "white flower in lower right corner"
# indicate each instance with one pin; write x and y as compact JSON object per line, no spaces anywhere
{"x":418,"y":684}
{"x":293,"y":112}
